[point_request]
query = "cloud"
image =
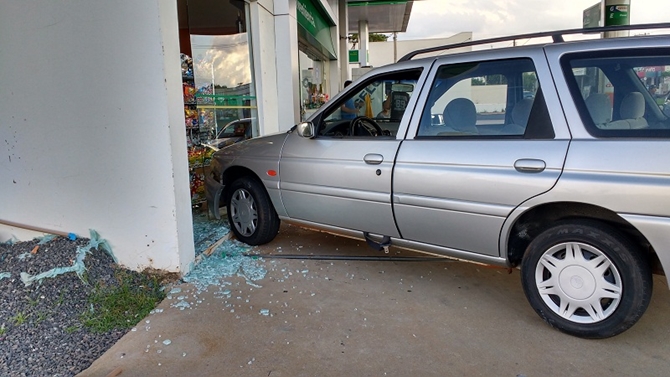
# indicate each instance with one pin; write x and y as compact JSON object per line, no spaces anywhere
{"x":495,"y":18}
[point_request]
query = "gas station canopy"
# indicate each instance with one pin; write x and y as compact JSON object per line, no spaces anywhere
{"x":383,"y":16}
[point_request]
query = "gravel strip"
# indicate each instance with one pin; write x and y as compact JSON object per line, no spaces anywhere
{"x":40,"y":330}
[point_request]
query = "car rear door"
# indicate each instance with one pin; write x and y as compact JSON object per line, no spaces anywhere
{"x":455,"y":183}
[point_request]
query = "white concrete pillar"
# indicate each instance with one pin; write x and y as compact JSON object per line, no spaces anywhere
{"x":92,"y":139}
{"x":343,"y":27}
{"x":363,"y":42}
{"x":262,"y":26}
{"x":287,"y":65}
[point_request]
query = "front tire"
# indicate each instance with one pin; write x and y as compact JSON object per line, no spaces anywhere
{"x":251,"y":215}
{"x":585,"y":279}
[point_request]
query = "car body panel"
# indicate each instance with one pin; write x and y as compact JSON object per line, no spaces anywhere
{"x":631,"y":176}
{"x":655,"y":229}
{"x":260,"y":155}
{"x":628,"y":177}
{"x":474,"y":186}
{"x":328,"y":181}
{"x":474,"y":183}
{"x":345,"y":181}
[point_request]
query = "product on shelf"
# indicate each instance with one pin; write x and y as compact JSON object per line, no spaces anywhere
{"x":191,"y":118}
{"x":186,"y":65}
{"x":189,"y":92}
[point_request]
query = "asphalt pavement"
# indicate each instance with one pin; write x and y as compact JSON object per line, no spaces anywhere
{"x":352,"y":317}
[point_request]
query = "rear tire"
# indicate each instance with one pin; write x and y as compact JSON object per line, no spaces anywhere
{"x":585,"y":279}
{"x":251,"y":214}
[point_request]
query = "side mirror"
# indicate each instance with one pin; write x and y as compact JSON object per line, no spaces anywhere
{"x":306,"y":130}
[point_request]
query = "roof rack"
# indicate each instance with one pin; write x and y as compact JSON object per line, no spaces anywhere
{"x":556,"y":35}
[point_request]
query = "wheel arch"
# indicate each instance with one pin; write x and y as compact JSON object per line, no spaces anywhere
{"x":539,"y":218}
{"x":233,"y":173}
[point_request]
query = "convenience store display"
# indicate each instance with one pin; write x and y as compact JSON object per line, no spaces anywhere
{"x":198,"y":130}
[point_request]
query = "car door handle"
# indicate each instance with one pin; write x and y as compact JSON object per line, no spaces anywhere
{"x":529,"y":165}
{"x":373,"y":159}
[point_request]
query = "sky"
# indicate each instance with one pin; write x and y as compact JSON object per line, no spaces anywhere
{"x":496,"y":18}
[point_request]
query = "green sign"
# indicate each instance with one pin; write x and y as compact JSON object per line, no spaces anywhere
{"x":353,"y":56}
{"x":617,"y":15}
{"x":316,"y":25}
{"x":225,"y":100}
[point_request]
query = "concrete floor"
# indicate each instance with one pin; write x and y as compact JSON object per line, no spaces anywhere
{"x":363,"y":318}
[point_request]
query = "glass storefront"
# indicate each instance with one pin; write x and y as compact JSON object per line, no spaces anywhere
{"x":222,"y":74}
{"x":314,"y":84}
{"x":316,"y":50}
{"x":217,"y":78}
{"x":222,"y":64}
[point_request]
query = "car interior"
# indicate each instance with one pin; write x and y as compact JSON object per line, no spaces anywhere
{"x":381,"y":103}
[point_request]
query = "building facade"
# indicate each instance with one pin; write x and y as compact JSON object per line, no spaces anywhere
{"x":94,"y":106}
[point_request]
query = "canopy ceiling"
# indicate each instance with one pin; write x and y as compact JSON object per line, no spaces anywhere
{"x":383,"y":16}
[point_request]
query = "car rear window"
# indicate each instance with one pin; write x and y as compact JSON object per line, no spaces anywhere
{"x":621,"y":93}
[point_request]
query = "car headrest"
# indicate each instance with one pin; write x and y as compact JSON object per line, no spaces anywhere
{"x":461,"y":115}
{"x":600,"y":108}
{"x":632,"y":106}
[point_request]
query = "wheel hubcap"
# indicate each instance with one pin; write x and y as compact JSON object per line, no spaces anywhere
{"x":243,"y":212}
{"x":578,"y":282}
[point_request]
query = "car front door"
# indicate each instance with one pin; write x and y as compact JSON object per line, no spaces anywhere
{"x":342,"y":176}
{"x":456,"y":181}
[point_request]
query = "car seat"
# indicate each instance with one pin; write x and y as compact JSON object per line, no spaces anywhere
{"x":519,"y":116}
{"x":399,"y":101}
{"x":460,"y":114}
{"x":632,"y":113}
{"x":600,"y":109}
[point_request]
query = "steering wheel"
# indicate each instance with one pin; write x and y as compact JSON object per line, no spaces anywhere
{"x":367,"y":124}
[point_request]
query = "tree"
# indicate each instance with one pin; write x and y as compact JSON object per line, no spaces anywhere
{"x":530,"y":81}
{"x":496,"y":80}
{"x":478,"y":81}
{"x":372,"y":37}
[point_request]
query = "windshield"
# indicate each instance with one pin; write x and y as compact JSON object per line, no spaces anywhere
{"x":233,"y":129}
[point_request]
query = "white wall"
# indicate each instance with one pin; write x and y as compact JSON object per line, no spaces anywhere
{"x":489,"y":98}
{"x":264,"y":56}
{"x":274,"y":29}
{"x":92,"y":127}
{"x":382,"y":53}
{"x":286,"y":43}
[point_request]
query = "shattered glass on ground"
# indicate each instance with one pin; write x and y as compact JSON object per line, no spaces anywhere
{"x":207,"y":231}
{"x":227,"y":260}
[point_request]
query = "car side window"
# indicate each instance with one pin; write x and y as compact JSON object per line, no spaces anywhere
{"x":371,"y":108}
{"x":621,"y":94}
{"x":486,"y":99}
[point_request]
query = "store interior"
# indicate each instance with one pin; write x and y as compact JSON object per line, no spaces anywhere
{"x":218,"y":92}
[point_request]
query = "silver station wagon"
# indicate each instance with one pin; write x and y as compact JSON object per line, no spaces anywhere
{"x":553,"y":157}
